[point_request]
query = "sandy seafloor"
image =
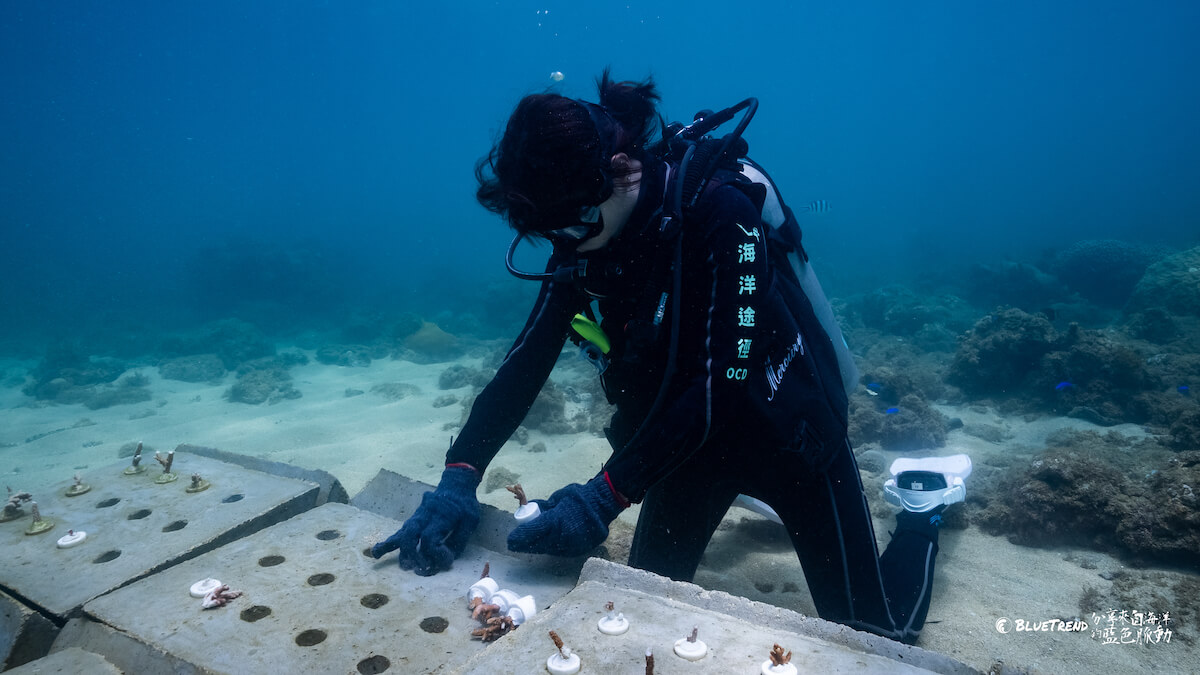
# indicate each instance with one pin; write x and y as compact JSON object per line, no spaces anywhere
{"x":980,"y":578}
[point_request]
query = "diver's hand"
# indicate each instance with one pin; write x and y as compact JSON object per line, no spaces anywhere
{"x":438,"y":531}
{"x":574,"y":520}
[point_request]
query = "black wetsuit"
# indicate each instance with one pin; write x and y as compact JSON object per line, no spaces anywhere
{"x":713,"y":437}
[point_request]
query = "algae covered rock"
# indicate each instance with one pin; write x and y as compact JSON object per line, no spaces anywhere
{"x":432,"y":344}
{"x":1101,"y":492}
{"x":195,"y":368}
{"x":1104,"y":271}
{"x":267,"y":385}
{"x":1172,"y":283}
{"x":997,"y":354}
{"x":911,"y":424}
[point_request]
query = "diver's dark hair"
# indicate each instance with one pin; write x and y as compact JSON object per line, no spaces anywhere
{"x":555,"y":153}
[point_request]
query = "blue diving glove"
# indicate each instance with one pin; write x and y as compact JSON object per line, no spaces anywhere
{"x":574,"y":520}
{"x":439,"y":529}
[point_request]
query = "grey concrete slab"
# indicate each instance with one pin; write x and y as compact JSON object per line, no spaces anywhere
{"x":71,"y":661}
{"x":136,"y":526}
{"x":739,"y":633}
{"x":331,"y":487}
{"x":25,"y":635}
{"x":319,"y":581}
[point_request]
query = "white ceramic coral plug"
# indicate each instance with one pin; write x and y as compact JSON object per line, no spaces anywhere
{"x":691,"y":648}
{"x":72,"y":538}
{"x":522,"y":610}
{"x":527,"y":512}
{"x":203,"y":587}
{"x":613,"y":623}
{"x":483,"y":589}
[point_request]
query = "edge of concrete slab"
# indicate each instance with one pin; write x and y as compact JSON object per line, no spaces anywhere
{"x":70,"y":660}
{"x":331,"y":489}
{"x":119,"y":649}
{"x":25,"y":633}
{"x":613,"y":574}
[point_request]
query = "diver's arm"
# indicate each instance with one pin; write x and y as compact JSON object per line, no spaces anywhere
{"x":737,"y":262}
{"x":505,"y":401}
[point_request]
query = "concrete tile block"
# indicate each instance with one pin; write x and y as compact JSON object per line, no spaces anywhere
{"x":25,"y":635}
{"x":136,"y":527}
{"x":315,"y":602}
{"x":71,"y":661}
{"x":739,"y":633}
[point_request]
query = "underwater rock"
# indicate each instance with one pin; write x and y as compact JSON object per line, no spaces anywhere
{"x":268,"y":385}
{"x":1013,"y":284}
{"x":195,"y":368}
{"x":232,"y":340}
{"x":65,"y":373}
{"x":445,"y":400}
{"x":124,"y":392}
{"x":498,"y":478}
{"x":1185,"y":432}
{"x":898,"y":310}
{"x":549,"y":413}
{"x":1172,"y":283}
{"x":395,"y":391}
{"x":1020,"y":360}
{"x":987,"y":432}
{"x":911,"y":425}
{"x":350,"y":356}
{"x":457,"y":376}
{"x":1093,"y":491}
{"x":871,"y":461}
{"x":1154,"y":324}
{"x":1104,"y":271}
{"x":995,"y":356}
{"x":431,"y":344}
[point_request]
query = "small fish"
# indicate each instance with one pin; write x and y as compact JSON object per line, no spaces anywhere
{"x":873,"y":388}
{"x":1063,"y":385}
{"x":1183,"y":389}
{"x":891,"y":411}
{"x":819,"y":206}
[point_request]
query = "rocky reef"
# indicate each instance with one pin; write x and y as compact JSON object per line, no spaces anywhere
{"x":1102,"y":491}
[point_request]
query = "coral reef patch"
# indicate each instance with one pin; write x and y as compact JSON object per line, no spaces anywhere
{"x":1102,"y":491}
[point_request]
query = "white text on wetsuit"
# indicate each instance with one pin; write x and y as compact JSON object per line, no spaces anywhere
{"x":775,"y":373}
{"x":747,"y":286}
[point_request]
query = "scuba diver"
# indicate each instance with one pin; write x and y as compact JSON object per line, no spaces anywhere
{"x":720,"y":353}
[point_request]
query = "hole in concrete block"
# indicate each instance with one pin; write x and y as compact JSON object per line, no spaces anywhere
{"x":111,"y":501}
{"x":373,"y":665}
{"x":233,"y":498}
{"x":320,"y":579}
{"x":374,"y":600}
{"x":270,"y":560}
{"x":328,"y":535}
{"x":434,"y":624}
{"x":107,"y":556}
{"x":175,"y":526}
{"x":139,"y":514}
{"x":252,"y":614}
{"x":310,"y":637}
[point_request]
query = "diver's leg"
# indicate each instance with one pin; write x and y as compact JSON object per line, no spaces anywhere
{"x":907,"y":569}
{"x":679,"y":516}
{"x":827,"y":518}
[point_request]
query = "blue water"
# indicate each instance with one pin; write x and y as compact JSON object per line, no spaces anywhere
{"x":141,"y":141}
